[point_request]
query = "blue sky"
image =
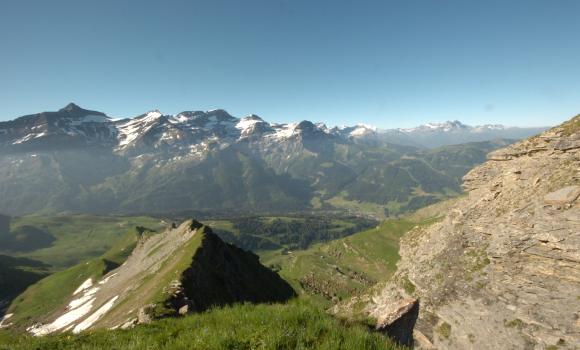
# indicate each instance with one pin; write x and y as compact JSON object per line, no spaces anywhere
{"x":386,"y":63}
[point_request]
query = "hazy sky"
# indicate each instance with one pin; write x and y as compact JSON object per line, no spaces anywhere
{"x":386,"y":63}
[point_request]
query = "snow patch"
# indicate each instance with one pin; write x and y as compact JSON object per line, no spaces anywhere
{"x":362,"y":129}
{"x":76,"y":309}
{"x":488,"y":127}
{"x":86,"y":285}
{"x":246,"y":123}
{"x":23,"y":139}
{"x":448,"y":126}
{"x":284,"y":131}
{"x":132,"y":129}
{"x":87,"y":296}
{"x":89,"y":321}
{"x":6,"y":317}
{"x":180,"y":118}
{"x":63,"y":321}
{"x":107,"y":279}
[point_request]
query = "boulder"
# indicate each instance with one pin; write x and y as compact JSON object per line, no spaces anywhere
{"x":399,"y":322}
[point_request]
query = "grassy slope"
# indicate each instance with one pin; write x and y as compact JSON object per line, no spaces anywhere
{"x":295,"y":325}
{"x":78,"y":237}
{"x":51,"y":293}
{"x":342,"y":268}
{"x":572,"y":126}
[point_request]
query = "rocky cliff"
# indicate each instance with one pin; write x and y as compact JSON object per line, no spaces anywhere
{"x":502,"y":269}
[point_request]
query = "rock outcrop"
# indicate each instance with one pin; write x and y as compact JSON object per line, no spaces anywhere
{"x":398,"y":324}
{"x":502,"y":269}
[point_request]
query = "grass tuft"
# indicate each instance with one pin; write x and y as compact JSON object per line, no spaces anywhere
{"x":294,"y":325}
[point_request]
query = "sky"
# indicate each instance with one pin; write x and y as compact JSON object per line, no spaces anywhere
{"x":385,"y":63}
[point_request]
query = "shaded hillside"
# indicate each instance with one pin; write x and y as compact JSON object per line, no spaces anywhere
{"x":16,"y":274}
{"x":221,"y":273}
{"x":23,"y":238}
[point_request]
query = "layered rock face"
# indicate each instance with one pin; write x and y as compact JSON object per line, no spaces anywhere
{"x":502,"y":270}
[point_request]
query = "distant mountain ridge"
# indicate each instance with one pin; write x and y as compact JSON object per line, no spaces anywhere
{"x":433,"y":135}
{"x":73,"y":126}
{"x":83,"y":161}
{"x":153,"y":129}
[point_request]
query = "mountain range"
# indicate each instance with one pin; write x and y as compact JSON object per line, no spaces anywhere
{"x":432,"y":135}
{"x":81,"y":160}
{"x":192,"y":132}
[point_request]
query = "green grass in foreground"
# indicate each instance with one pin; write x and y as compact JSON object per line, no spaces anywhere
{"x":295,"y":325}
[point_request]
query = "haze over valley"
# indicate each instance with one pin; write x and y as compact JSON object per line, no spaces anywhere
{"x":76,"y":160}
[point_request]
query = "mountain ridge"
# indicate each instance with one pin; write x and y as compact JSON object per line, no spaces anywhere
{"x":146,"y":276}
{"x":198,"y":126}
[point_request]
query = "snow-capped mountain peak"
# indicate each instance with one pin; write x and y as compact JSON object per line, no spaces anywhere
{"x":356,"y":131}
{"x":453,"y":126}
{"x":362,"y":130}
{"x":137,"y":128}
{"x":448,"y":126}
{"x":253,"y":125}
{"x":151,"y":115}
{"x":71,"y":124}
{"x":196,"y":130}
{"x":284,"y":131}
{"x":488,"y":127}
{"x":455,"y":132}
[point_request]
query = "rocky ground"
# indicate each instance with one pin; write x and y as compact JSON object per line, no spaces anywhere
{"x":502,"y":270}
